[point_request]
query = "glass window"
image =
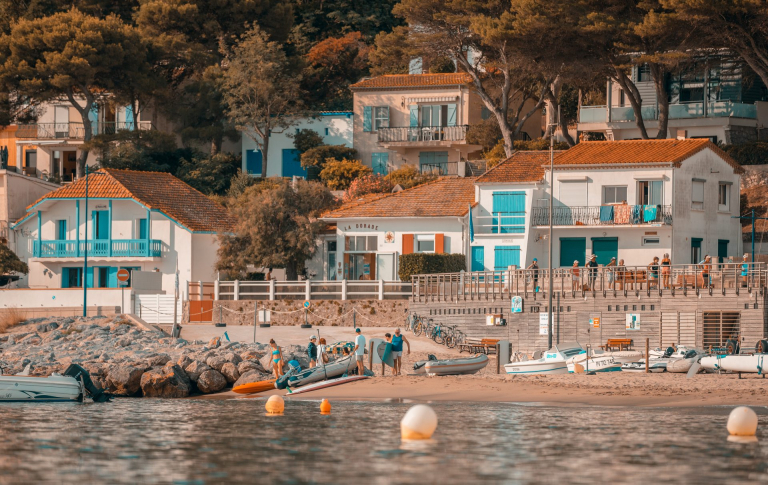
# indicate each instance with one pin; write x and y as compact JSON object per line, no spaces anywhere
{"x":614,"y":194}
{"x":425,"y":246}
{"x":360,"y":243}
{"x":651,"y":241}
{"x":372,"y":243}
{"x":380,"y":117}
{"x":349,"y":243}
{"x":723,"y":197}
{"x":644,"y":73}
{"x":331,"y":246}
{"x":650,"y":193}
{"x":697,"y":195}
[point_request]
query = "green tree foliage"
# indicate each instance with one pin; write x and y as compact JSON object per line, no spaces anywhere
{"x":261,"y":89}
{"x":276,"y":227}
{"x":210,"y":175}
{"x":316,"y":157}
{"x":408,"y":176}
{"x":75,"y":56}
{"x":10,"y":263}
{"x":426,"y":263}
{"x":367,"y":184}
{"x":144,"y":150}
{"x":306,"y":140}
{"x":392,"y":52}
{"x":486,"y":134}
{"x":339,"y":174}
{"x":239,"y":183}
{"x":752,"y":153}
{"x":320,"y":19}
{"x":333,"y":64}
{"x":11,"y":11}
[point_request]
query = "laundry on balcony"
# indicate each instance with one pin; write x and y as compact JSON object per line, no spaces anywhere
{"x":622,"y":213}
{"x":606,"y":214}
{"x":649,"y":213}
{"x":637,"y":214}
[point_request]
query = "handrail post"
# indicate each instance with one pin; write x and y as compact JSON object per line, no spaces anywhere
{"x":381,"y":289}
{"x":216,"y":290}
{"x":344,"y":289}
{"x":307,"y":289}
{"x":271,"y":289}
{"x":236,"y":290}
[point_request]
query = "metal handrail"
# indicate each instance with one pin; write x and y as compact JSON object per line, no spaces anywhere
{"x":76,"y":130}
{"x":395,"y":134}
{"x":610,"y":215}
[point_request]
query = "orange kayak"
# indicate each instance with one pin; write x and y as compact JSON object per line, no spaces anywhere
{"x":253,"y":387}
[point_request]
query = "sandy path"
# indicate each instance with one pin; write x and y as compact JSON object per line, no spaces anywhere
{"x":615,"y":389}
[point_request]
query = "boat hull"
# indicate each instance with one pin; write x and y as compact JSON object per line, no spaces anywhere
{"x":654,"y":367}
{"x":736,"y":363}
{"x":254,"y":387}
{"x":580,"y":364}
{"x":326,"y":384}
{"x":452,"y":367}
{"x":333,"y":369}
{"x":40,"y":389}
{"x":536,"y":367}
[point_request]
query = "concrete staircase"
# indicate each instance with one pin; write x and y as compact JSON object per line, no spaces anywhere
{"x":476,"y":168}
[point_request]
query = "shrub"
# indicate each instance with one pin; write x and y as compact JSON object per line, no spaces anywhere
{"x":210,"y":175}
{"x":538,"y":144}
{"x":367,"y":184}
{"x":339,"y":174}
{"x":422,"y":263}
{"x":751,"y":153}
{"x":409,"y":176}
{"x":317,"y":156}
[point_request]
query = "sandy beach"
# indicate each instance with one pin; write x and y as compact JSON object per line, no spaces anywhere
{"x":614,"y":389}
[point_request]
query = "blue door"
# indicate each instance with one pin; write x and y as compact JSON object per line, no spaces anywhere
{"x":142,"y":228}
{"x":508,"y":212}
{"x":605,"y":248}
{"x":478,"y":258}
{"x":292,"y":163}
{"x":253,"y":162}
{"x":722,"y":250}
{"x":101,"y":224}
{"x":573,"y":249}
{"x":379,"y":163}
{"x":506,"y":256}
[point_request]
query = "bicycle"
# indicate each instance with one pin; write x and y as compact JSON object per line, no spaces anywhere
{"x":428,"y":328}
{"x":451,"y":337}
{"x":438,"y":334}
{"x":418,"y":326}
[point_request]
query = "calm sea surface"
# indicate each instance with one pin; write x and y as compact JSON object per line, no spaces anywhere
{"x":206,"y":441}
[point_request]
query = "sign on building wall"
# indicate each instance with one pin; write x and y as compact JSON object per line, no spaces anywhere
{"x":543,"y":323}
{"x":633,"y":321}
{"x":517,"y":304}
{"x":389,"y":237}
{"x":594,"y":322}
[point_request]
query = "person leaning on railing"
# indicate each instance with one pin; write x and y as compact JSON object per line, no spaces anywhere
{"x":611,"y":274}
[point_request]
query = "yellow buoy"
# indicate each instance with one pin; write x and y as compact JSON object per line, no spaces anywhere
{"x":742,"y":422}
{"x":325,"y":407}
{"x":275,"y":405}
{"x":419,"y":423}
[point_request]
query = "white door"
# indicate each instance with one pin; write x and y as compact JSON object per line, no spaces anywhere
{"x":385,"y":267}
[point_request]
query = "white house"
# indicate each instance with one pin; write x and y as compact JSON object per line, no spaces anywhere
{"x":367,"y":236}
{"x":146,"y":221}
{"x":632,"y":200}
{"x":334,"y":126}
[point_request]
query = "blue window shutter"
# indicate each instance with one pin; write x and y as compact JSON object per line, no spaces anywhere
{"x":112,"y":279}
{"x":62,"y":230}
{"x":89,"y":277}
{"x":441,"y":157}
{"x":292,"y":163}
{"x":65,"y":277}
{"x":253,"y":162}
{"x":426,"y":157}
{"x":478,"y":258}
{"x":129,"y":117}
{"x":508,"y":212}
{"x":142,"y":228}
{"x":451,"y":115}
{"x":414,"y":119}
{"x":505,"y":256}
{"x":367,"y":115}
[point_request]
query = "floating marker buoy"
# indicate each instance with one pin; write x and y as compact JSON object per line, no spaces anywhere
{"x":419,"y":423}
{"x":742,"y":422}
{"x":275,"y":405}
{"x":325,"y":407}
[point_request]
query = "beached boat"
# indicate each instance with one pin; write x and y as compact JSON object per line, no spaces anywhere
{"x":553,"y":362}
{"x":683,"y":364}
{"x":337,"y":368}
{"x":755,"y":363}
{"x":326,"y":384}
{"x":597,"y":363}
{"x":53,"y":388}
{"x":655,"y":365}
{"x":254,"y":387}
{"x":623,"y":356}
{"x":450,"y":367}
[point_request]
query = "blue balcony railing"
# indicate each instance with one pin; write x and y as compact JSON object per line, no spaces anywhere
{"x":98,"y":248}
{"x":715,"y":109}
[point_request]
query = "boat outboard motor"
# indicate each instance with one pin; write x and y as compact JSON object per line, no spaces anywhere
{"x":431,"y":357}
{"x":669,"y":352}
{"x":97,"y":394}
{"x":761,"y":347}
{"x":690,"y":354}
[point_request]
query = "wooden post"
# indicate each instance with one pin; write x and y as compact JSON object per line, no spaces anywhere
{"x":498,"y":358}
{"x":647,"y":353}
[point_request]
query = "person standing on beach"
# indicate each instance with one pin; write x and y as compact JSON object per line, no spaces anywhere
{"x":312,"y":351}
{"x":397,"y":350}
{"x":322,"y":357}
{"x":277,"y":359}
{"x":359,"y":352}
{"x":592,"y":266}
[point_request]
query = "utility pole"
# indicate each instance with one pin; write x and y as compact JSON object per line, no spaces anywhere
{"x":551,"y":196}
{"x":85,"y":253}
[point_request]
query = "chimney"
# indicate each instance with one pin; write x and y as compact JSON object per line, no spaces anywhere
{"x":682,"y":134}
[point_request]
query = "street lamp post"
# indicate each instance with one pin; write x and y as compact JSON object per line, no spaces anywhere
{"x":549,"y":259}
{"x":85,"y":253}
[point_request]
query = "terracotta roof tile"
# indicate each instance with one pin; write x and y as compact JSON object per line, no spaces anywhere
{"x":442,"y":198}
{"x":155,"y":190}
{"x":522,"y":166}
{"x":639,"y":152}
{"x":414,"y":80}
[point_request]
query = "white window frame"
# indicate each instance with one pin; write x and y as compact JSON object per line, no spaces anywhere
{"x":697,"y":204}
{"x":424,"y":238}
{"x":614,"y":187}
{"x":380,"y":117}
{"x":651,"y":240}
{"x":727,"y":206}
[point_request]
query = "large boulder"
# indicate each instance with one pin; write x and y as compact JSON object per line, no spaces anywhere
{"x":216,"y":362}
{"x":229,"y":371}
{"x":184,"y":361}
{"x":124,"y":380}
{"x":211,"y":381}
{"x":251,"y":355}
{"x":248,"y":365}
{"x":251,"y":376}
{"x":46,"y":327}
{"x":233,"y":358}
{"x":214,"y":343}
{"x":266,"y":362}
{"x":194,"y":370}
{"x":169,"y":381}
{"x":157,"y":360}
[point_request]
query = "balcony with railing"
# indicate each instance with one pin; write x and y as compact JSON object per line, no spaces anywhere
{"x":714,"y":109}
{"x":76,"y":131}
{"x":118,"y":248}
{"x":423,"y":135}
{"x":606,"y":215}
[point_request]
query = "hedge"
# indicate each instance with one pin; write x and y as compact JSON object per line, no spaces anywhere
{"x":423,"y":263}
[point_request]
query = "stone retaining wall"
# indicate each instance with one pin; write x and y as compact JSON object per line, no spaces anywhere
{"x":368,"y":313}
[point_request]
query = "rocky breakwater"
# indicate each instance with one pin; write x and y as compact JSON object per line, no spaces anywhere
{"x":128,"y":361}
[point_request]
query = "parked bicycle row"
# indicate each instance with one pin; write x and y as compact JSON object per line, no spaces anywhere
{"x":448,"y":335}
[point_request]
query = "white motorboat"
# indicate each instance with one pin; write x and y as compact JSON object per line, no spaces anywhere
{"x":596,"y":363}
{"x":624,"y":356}
{"x":553,"y":362}
{"x":655,"y":365}
{"x":755,"y":363}
{"x":72,"y":386}
{"x":450,"y":367}
{"x":681,"y":365}
{"x":337,"y":368}
{"x":659,"y":360}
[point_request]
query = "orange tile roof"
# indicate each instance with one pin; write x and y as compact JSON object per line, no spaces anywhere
{"x":155,"y":190}
{"x":671,"y":151}
{"x":414,"y":80}
{"x":522,"y":166}
{"x":442,"y":198}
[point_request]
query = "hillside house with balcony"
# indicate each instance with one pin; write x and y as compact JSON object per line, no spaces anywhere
{"x":631,"y":200}
{"x":146,"y":221}
{"x":713,"y":101}
{"x":420,"y":119}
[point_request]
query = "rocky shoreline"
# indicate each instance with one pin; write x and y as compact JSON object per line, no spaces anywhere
{"x":125,"y":360}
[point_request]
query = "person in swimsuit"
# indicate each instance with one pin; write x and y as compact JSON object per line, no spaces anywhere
{"x":611,"y":274}
{"x":397,"y":349}
{"x":621,"y":273}
{"x":535,"y":273}
{"x":592,"y":266}
{"x":666,"y":270}
{"x":277,"y":359}
{"x":575,"y":276}
{"x":744,"y":270}
{"x":705,"y":266}
{"x":653,"y":272}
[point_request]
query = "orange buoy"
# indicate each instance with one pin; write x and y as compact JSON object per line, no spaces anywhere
{"x":275,"y":405}
{"x":325,"y":407}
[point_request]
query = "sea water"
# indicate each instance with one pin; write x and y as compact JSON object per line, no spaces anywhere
{"x":232,"y":441}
